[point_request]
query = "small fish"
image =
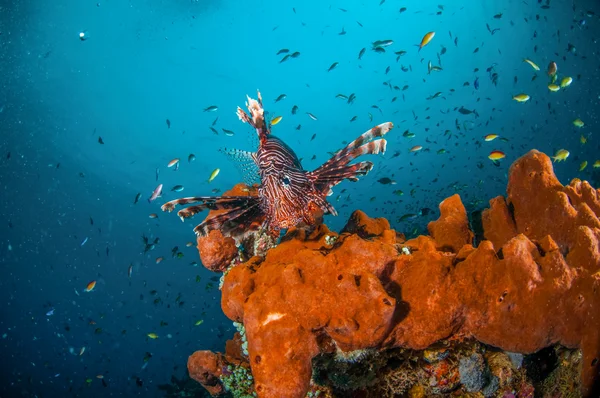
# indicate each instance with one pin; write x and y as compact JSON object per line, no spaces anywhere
{"x":578,"y":123}
{"x":153,"y":215}
{"x":310,"y":115}
{"x":212,"y":108}
{"x":361,"y":53}
{"x":294,"y":109}
{"x":552,"y":69}
{"x":156,"y":193}
{"x":214,"y":174}
{"x":90,"y":286}
{"x":228,"y":133}
{"x":281,"y":97}
{"x":596,"y":164}
{"x":177,"y":188}
{"x":130,"y":271}
{"x":386,"y":181}
{"x":408,"y":216}
{"x":476,"y":83}
{"x":83,"y":242}
{"x":81,"y":351}
{"x":191,"y":158}
{"x":496,"y":155}
{"x":168,"y":124}
{"x":566,"y":82}
{"x":50,"y":313}
{"x":490,"y":137}
{"x":426,"y":39}
{"x":157,"y":173}
{"x":100,"y":141}
{"x":333,"y":66}
{"x":153,"y":336}
{"x":382,"y":43}
{"x":276,"y":120}
{"x":533,"y":64}
{"x":173,"y":162}
{"x":521,"y":97}
{"x":561,"y":155}
{"x":159,"y":260}
{"x":283,"y":51}
{"x":583,"y":165}
{"x":199,"y":322}
{"x":416,"y":148}
{"x":553,"y":87}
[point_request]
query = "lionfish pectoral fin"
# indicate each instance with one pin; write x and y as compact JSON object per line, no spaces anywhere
{"x":207,"y":203}
{"x":229,"y":220}
{"x":337,"y":169}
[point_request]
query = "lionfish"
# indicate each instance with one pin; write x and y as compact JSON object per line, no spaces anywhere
{"x":287,"y":195}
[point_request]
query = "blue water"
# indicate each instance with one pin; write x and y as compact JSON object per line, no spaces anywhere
{"x":144,"y":62}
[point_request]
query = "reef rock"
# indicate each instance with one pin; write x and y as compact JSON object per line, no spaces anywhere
{"x":534,"y":283}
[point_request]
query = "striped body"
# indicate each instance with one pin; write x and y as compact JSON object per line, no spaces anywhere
{"x":285,"y":191}
{"x":287,"y":195}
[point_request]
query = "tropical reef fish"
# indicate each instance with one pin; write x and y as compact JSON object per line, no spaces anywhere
{"x":496,"y":155}
{"x":214,"y":174}
{"x":561,"y":155}
{"x":287,"y":195}
{"x":156,"y":193}
{"x":90,"y":286}
{"x":426,"y":39}
{"x":533,"y":64}
{"x":521,"y":97}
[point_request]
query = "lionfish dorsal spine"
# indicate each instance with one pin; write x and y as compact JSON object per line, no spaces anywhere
{"x":256,"y":118}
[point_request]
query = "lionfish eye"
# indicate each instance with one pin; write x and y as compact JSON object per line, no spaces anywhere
{"x":285,"y":180}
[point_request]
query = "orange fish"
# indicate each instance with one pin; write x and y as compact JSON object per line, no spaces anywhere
{"x":173,"y":162}
{"x":552,"y":68}
{"x":159,"y":259}
{"x":416,"y":148}
{"x":490,"y":137}
{"x":496,"y":155}
{"x":90,"y":286}
{"x":426,"y":39}
{"x":153,"y":215}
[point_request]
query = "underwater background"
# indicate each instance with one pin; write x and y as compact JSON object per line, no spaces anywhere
{"x":97,"y":97}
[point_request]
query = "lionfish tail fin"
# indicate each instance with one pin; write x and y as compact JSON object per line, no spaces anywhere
{"x":337,"y":169}
{"x":256,"y":118}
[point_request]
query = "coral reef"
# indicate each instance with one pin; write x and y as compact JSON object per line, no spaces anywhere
{"x":366,"y":313}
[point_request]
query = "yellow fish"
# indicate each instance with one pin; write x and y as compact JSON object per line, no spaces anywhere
{"x":583,"y":165}
{"x":521,"y":97}
{"x":583,"y":139}
{"x":152,"y":335}
{"x":561,"y":155}
{"x":490,"y":137}
{"x":566,"y":82}
{"x":426,"y":39}
{"x":276,"y":120}
{"x":533,"y":65}
{"x":578,"y":123}
{"x":214,"y":175}
{"x":553,"y":87}
{"x":596,"y":164}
